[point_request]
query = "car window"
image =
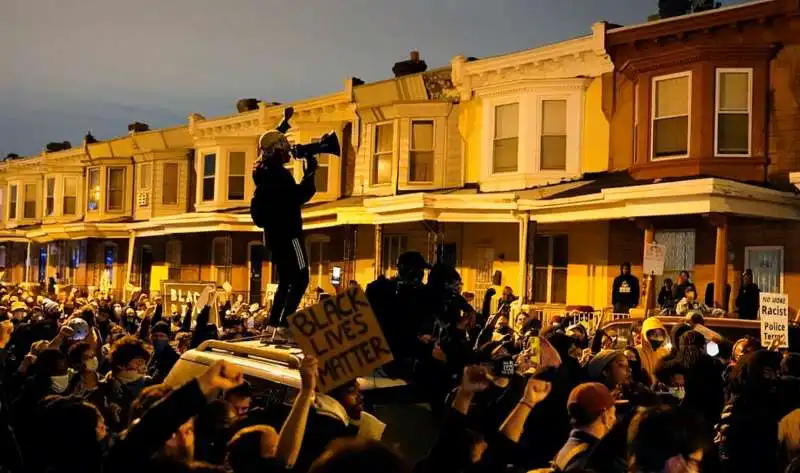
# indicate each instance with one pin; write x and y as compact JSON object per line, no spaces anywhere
{"x":268,"y":394}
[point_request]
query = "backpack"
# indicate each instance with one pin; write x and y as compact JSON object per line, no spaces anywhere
{"x":553,"y":468}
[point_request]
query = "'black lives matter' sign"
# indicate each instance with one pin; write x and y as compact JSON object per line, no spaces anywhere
{"x":344,"y":335}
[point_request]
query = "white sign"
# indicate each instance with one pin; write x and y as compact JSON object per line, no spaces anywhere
{"x":654,"y":256}
{"x":774,"y":314}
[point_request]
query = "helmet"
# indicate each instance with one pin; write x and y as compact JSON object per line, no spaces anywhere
{"x":273,"y":139}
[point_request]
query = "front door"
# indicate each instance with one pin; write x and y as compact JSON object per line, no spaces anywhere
{"x":42,"y":264}
{"x":767,"y":265}
{"x":484,"y":267}
{"x":256,"y":268}
{"x":146,"y":268}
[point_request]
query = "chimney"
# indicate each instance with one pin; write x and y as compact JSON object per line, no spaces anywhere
{"x":413,"y":65}
{"x":246,"y":105}
{"x":138,"y":127}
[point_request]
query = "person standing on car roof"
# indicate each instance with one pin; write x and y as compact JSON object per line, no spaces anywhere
{"x":276,"y":207}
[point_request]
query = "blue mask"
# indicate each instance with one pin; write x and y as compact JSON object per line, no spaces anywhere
{"x":160,"y":345}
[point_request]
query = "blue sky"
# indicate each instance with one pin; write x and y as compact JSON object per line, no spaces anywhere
{"x":70,"y":66}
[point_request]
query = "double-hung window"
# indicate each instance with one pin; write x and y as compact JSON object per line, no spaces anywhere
{"x":733,"y":112}
{"x":670,"y":116}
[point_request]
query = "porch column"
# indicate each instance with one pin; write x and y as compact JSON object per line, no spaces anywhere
{"x":530,"y":273}
{"x":28,"y":263}
{"x":647,"y":301}
{"x":131,"y":243}
{"x":720,"y":261}
{"x":523,"y":254}
{"x":378,"y":249}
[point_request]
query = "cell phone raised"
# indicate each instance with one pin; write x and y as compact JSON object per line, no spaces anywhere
{"x":712,"y":349}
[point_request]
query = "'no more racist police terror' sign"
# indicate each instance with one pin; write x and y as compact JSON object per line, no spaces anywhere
{"x":344,"y":335}
{"x":774,"y":315}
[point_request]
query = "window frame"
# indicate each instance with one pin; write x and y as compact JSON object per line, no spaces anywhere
{"x":25,"y":201}
{"x":64,"y":196}
{"x":551,"y":267}
{"x":49,"y":199}
{"x":374,"y":155}
{"x":13,"y":199}
{"x":539,"y":116}
{"x":653,"y":89}
{"x":173,"y":264}
{"x":390,"y":264}
{"x":108,"y":189}
{"x":227,"y":268}
{"x":243,"y":176}
{"x":164,"y":167}
{"x":212,"y":176}
{"x":98,"y":196}
{"x":717,"y":112}
{"x":317,"y":268}
{"x":519,"y":102}
{"x":412,"y":150}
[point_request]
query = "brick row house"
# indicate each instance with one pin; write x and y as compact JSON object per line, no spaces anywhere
{"x":543,"y":170}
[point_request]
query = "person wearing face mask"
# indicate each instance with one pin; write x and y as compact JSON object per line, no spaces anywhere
{"x":127,"y":378}
{"x":164,"y":356}
{"x":592,"y":412}
{"x":654,"y":346}
{"x":83,"y":363}
{"x":667,"y":440}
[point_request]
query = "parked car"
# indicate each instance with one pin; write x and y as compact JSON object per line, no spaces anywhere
{"x":731,"y":329}
{"x":272,"y":373}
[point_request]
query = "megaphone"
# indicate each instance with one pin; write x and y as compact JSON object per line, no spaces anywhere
{"x":328,"y":144}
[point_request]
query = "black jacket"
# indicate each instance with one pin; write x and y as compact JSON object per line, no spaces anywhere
{"x":747,"y":302}
{"x":280,"y":200}
{"x":625,"y":292}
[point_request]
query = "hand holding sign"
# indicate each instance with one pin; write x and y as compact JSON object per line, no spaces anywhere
{"x":344,"y":335}
{"x":205,"y":297}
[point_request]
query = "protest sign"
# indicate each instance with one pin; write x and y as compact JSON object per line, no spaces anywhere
{"x":654,"y":256}
{"x":344,"y":335}
{"x":774,"y":315}
{"x":181,"y":294}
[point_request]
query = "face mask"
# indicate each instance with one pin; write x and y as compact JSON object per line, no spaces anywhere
{"x":59,"y":384}
{"x":679,"y":393}
{"x":159,"y":345}
{"x":656,"y":344}
{"x":91,"y":364}
{"x":503,"y":330}
{"x":128,"y":377}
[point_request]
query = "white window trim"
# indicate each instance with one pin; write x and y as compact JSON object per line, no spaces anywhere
{"x":203,"y":176}
{"x":122,"y":206}
{"x":228,"y":175}
{"x":653,"y":83}
{"x":372,"y":152}
{"x":47,"y":180}
{"x":15,"y":202}
{"x":25,"y":200}
{"x":528,"y":152}
{"x":179,"y":187}
{"x":767,"y":248}
{"x":411,"y":150}
{"x":89,"y":190}
{"x":64,"y":195}
{"x":718,"y":75}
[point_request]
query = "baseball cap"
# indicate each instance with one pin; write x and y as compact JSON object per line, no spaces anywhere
{"x":18,"y":306}
{"x":272,"y":139}
{"x":591,"y":399}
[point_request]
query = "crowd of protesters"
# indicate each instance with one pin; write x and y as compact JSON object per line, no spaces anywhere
{"x":82,"y":390}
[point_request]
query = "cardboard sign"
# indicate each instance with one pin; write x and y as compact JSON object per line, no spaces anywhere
{"x":344,"y":335}
{"x":182,"y":293}
{"x":654,"y":256}
{"x":774,"y":315}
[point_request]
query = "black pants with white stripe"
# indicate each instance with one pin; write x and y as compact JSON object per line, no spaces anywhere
{"x":290,"y":258}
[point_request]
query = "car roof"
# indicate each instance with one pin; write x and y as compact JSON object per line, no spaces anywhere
{"x":271,"y":361}
{"x":710,"y":322}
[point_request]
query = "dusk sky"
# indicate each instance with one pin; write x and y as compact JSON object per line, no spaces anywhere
{"x":70,"y":66}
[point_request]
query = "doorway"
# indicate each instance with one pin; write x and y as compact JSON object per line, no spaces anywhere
{"x":42,"y":264}
{"x":145,"y":267}
{"x":256,"y":258}
{"x":767,"y":265}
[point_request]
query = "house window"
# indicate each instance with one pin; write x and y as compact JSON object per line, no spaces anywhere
{"x":506,"y":138}
{"x":209,"y":173}
{"x":3,"y":256}
{"x":29,"y":208}
{"x":733,"y":108}
{"x":144,"y":184}
{"x":553,"y":146}
{"x":93,"y":184}
{"x":221,"y":258}
{"x":50,"y":197}
{"x":551,"y":255}
{"x":173,"y":259}
{"x":115,"y":189}
{"x":393,"y":246}
{"x":12,"y":202}
{"x":169,"y":192}
{"x":766,"y":262}
{"x":420,"y":165}
{"x":70,"y":205}
{"x":382,"y":156}
{"x":235,"y":176}
{"x":321,"y":177}
{"x":671,"y":97}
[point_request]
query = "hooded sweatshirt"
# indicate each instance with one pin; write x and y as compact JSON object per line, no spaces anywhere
{"x":648,"y":355}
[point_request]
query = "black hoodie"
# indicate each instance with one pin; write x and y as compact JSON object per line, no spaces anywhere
{"x":281,"y":200}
